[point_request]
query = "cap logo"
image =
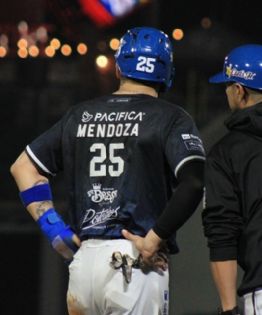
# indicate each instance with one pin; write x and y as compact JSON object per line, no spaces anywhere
{"x":233,"y":72}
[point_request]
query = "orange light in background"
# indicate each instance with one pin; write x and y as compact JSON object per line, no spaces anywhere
{"x":50,"y":51}
{"x":82,"y":48}
{"x":206,"y":22}
{"x":22,"y":43}
{"x":33,"y":51}
{"x":178,"y":34}
{"x":102,"y":61}
{"x":22,"y":53}
{"x":3,"y":52}
{"x":66,"y":50}
{"x":55,"y":43}
{"x":114,"y":43}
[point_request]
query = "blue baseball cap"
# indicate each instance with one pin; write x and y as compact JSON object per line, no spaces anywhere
{"x":242,"y":65}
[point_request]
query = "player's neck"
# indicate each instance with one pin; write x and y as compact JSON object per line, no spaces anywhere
{"x":127,"y":87}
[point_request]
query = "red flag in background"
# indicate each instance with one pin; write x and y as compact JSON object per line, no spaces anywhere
{"x":107,"y":12}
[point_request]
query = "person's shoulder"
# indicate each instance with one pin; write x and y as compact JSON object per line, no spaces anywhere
{"x":172,"y":109}
{"x":223,"y":146}
{"x":87,"y":105}
{"x":81,"y":109}
{"x":89,"y":102}
{"x":168,"y":104}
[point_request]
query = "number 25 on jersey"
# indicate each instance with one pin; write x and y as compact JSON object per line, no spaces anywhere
{"x":98,"y":167}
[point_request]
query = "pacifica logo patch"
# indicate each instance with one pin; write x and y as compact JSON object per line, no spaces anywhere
{"x":112,"y":116}
{"x":233,"y":72}
{"x":86,"y":117}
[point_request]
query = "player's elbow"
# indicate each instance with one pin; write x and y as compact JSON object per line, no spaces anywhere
{"x":21,"y":165}
{"x":192,"y":177}
{"x":17,"y":171}
{"x":14,"y":169}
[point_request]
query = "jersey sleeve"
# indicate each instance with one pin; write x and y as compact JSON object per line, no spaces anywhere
{"x":183,"y":143}
{"x":46,"y":150}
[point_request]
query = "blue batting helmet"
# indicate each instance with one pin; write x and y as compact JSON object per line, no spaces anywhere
{"x":146,"y":53}
{"x":243,"y":65}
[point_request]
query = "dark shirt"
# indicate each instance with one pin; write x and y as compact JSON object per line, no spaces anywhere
{"x":232,"y":217}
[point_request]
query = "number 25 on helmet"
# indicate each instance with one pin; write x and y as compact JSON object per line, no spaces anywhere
{"x":146,"y":54}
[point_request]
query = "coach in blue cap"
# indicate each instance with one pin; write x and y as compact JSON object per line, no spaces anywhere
{"x":232,"y":217}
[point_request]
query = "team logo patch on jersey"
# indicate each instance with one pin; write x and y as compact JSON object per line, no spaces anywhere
{"x":86,"y":117}
{"x":93,"y":218}
{"x":185,"y":136}
{"x":102,"y":195}
{"x":113,"y":116}
{"x":192,"y":142}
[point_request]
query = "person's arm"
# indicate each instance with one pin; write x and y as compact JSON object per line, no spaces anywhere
{"x":225,"y":277}
{"x":33,"y":186}
{"x":181,"y":206}
{"x":223,"y":224}
{"x":185,"y":155}
{"x":147,"y":246}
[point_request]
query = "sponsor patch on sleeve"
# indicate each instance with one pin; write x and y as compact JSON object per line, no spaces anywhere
{"x":192,"y":142}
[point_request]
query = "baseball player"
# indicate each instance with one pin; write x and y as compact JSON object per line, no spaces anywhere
{"x":233,"y":214}
{"x":134,"y":169}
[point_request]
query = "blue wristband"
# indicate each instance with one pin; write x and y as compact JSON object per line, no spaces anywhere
{"x":56,"y":231}
{"x":36,"y":193}
{"x":51,"y":224}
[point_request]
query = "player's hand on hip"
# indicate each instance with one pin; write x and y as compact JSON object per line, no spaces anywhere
{"x":148,"y":248}
{"x":76,"y":240}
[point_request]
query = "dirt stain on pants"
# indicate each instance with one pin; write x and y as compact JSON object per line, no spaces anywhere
{"x":74,"y":307}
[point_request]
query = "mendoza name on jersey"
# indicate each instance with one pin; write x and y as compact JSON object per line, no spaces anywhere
{"x":97,"y":126}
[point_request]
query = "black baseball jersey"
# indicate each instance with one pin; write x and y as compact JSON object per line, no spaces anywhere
{"x":120,"y":155}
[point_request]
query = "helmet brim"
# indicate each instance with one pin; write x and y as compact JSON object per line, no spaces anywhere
{"x":218,"y":78}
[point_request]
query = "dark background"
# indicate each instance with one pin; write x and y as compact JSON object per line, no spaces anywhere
{"x":35,"y":92}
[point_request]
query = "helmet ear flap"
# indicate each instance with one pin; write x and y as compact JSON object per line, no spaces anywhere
{"x":118,"y":71}
{"x":172,"y":75}
{"x":165,"y":87}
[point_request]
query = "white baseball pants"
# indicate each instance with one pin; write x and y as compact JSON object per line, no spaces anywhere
{"x":95,"y":288}
{"x":253,"y":303}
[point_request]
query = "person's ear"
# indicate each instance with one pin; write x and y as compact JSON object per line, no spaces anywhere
{"x":241,"y":94}
{"x":240,"y":91}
